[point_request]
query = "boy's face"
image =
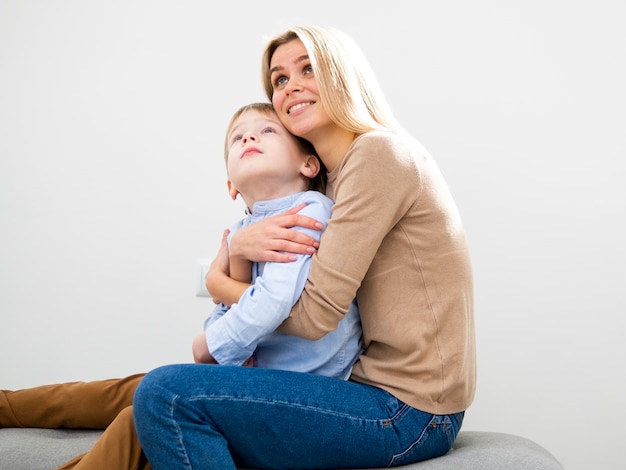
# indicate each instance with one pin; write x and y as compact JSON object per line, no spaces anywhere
{"x":264,"y":157}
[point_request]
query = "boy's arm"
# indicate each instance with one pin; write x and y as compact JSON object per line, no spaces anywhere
{"x":264,"y":305}
{"x":201,"y":354}
{"x":237,"y":268}
{"x":241,"y":270}
{"x":223,"y":288}
{"x":199,"y":347}
{"x":227,"y":282}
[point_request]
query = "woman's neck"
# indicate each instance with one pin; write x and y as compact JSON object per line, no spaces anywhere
{"x":332,"y":147}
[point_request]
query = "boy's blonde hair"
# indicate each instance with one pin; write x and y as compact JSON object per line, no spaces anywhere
{"x":348,"y":87}
{"x":319,"y":181}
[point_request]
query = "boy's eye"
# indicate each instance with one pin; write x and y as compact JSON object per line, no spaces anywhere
{"x":237,"y":137}
{"x":268,"y":130}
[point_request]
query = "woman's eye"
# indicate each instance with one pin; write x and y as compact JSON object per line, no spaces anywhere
{"x":308,"y":69}
{"x":280,"y":81}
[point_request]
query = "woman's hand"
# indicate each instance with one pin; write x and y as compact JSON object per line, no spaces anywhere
{"x":266,"y":239}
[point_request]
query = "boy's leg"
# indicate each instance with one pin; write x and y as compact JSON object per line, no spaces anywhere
{"x":92,"y":405}
{"x":118,"y":448}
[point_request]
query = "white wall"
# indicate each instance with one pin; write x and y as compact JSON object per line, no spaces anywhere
{"x":112,"y":184}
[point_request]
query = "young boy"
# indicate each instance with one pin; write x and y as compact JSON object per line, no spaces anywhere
{"x":273,"y":171}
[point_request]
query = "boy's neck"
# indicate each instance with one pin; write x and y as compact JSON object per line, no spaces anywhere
{"x":271,"y":192}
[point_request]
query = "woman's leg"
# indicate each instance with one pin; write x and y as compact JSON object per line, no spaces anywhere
{"x":117,"y":449}
{"x":206,"y":417}
{"x":92,"y":405}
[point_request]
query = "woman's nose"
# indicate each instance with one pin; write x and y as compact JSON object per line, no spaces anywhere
{"x":293,"y":86}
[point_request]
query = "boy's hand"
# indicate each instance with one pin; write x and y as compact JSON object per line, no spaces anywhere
{"x":200,"y":350}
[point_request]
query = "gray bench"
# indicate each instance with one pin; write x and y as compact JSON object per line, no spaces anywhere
{"x":45,"y":449}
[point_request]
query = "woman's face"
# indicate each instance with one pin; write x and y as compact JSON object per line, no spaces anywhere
{"x":296,"y":96}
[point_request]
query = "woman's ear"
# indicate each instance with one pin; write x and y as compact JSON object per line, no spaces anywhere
{"x":232,"y":190}
{"x":310,"y":166}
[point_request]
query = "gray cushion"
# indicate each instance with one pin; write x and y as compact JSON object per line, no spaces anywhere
{"x":474,"y":450}
{"x":42,"y":449}
{"x":46,"y":449}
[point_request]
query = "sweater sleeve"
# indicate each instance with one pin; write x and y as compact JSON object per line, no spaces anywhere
{"x":374,"y":187}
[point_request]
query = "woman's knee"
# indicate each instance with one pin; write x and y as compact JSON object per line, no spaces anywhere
{"x":146,"y":387}
{"x":156,"y":387}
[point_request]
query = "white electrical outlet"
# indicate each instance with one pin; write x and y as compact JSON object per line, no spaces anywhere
{"x":202,"y":268}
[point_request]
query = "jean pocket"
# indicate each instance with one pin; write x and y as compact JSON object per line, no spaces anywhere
{"x":434,"y":440}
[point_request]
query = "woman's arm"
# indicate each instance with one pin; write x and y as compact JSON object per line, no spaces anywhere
{"x":376,"y":184}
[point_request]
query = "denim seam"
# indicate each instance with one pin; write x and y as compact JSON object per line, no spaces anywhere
{"x":384,"y":421}
{"x":179,"y":432}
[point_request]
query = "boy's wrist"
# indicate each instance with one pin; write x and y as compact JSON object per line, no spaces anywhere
{"x":213,"y":279}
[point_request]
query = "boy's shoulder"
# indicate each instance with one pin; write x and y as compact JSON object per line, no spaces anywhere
{"x":318,"y":205}
{"x":314,"y":198}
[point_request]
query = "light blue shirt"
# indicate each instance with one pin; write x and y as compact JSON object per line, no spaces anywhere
{"x":248,"y":327}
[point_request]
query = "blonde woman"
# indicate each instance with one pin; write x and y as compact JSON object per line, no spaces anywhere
{"x":395,"y":241}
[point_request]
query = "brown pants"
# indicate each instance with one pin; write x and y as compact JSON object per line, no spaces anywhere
{"x":104,"y":404}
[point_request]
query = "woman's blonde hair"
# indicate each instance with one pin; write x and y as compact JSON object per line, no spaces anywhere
{"x":349,"y":90}
{"x":319,"y":181}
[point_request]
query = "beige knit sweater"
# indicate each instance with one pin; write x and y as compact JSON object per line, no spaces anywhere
{"x":396,"y":242}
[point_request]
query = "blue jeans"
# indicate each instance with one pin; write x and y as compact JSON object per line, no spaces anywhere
{"x":196,"y":416}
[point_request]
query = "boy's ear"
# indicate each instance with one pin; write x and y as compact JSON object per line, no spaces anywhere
{"x":310,"y":166}
{"x":232,"y":190}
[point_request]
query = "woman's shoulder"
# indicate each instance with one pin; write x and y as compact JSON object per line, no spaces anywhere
{"x":377,"y":137}
{"x":389,"y":140}
{"x":389,"y":146}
